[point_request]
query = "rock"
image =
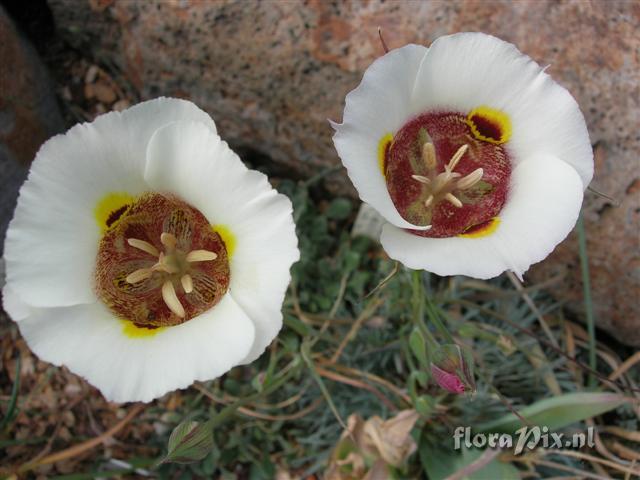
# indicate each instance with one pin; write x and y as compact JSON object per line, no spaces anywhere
{"x":271,"y":73}
{"x":28,"y":114}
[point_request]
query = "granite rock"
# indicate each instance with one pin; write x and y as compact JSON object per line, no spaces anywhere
{"x":271,"y":73}
{"x":28,"y":114}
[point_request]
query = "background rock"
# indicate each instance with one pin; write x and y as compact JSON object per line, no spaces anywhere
{"x":28,"y":113}
{"x":271,"y":73}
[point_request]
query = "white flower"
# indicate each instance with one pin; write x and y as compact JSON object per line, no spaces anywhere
{"x":143,"y":254}
{"x":475,"y":143}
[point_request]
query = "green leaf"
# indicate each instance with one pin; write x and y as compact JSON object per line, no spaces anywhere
{"x":189,"y":442}
{"x":441,"y":463}
{"x":418,"y":347}
{"x":557,"y":412}
{"x":339,"y":209}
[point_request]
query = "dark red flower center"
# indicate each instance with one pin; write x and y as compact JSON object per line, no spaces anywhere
{"x":449,"y":171}
{"x":160,"y":263}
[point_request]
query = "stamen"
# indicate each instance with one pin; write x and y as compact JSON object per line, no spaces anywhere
{"x":470,"y":180}
{"x":428,"y":201}
{"x":168,"y":240}
{"x":171,"y":299}
{"x":144,"y":246}
{"x":421,"y":179}
{"x":452,"y":199}
{"x":139,"y":275}
{"x":429,"y":155}
{"x":187,"y":283}
{"x":456,"y":157}
{"x":200,"y":256}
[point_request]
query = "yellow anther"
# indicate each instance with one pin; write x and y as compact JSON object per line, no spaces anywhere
{"x":470,"y":180}
{"x":171,"y":299}
{"x":144,"y":246}
{"x":200,"y":256}
{"x":453,"y":200}
{"x":168,"y":240}
{"x":429,"y":155}
{"x":187,"y":283}
{"x":139,"y":275}
{"x":456,"y":157}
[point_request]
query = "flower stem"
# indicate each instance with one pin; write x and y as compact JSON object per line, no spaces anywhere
{"x":588,"y":305}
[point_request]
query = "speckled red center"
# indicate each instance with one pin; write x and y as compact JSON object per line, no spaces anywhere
{"x":141,"y":302}
{"x":447,"y":132}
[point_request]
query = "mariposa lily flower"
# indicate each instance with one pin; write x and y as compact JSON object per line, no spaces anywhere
{"x":143,"y":254}
{"x":473,"y":154}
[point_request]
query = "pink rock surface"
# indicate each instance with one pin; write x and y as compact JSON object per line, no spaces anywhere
{"x":271,"y":73}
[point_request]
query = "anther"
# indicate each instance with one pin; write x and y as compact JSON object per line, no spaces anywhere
{"x":421,"y":179}
{"x":144,"y":246}
{"x":429,"y":155}
{"x":171,"y":299}
{"x":470,"y":180}
{"x":187,"y":283}
{"x":453,"y":200}
{"x":456,"y":157}
{"x":139,"y":275}
{"x":168,"y":240}
{"x":200,"y":256}
{"x":428,"y":201}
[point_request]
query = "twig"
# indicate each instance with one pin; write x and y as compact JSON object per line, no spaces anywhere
{"x":476,"y":465}
{"x":626,"y":365}
{"x":355,"y":383}
{"x":84,"y":446}
{"x":529,"y":301}
{"x":262,"y":416}
{"x":592,"y":458}
{"x":566,"y":468}
{"x":616,"y":203}
{"x":376,"y":379}
{"x":366,"y":313}
{"x":384,"y":44}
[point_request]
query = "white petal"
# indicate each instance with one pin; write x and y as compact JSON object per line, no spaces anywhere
{"x":91,"y":343}
{"x":265,"y":250}
{"x":542,"y":208}
{"x":466,"y":70}
{"x":187,"y":160}
{"x":53,"y":238}
{"x":13,"y":305}
{"x":378,"y":106}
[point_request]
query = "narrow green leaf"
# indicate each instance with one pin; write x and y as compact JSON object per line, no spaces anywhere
{"x":441,"y":463}
{"x":418,"y":347}
{"x":189,"y":442}
{"x":11,"y":408}
{"x":586,"y":289}
{"x":557,"y":412}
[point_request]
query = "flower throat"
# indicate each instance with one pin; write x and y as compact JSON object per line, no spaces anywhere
{"x":160,"y":263}
{"x":449,"y":171}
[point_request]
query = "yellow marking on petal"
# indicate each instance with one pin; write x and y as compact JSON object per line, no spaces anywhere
{"x":131,"y":331}
{"x":383,"y":147}
{"x":227,"y":236}
{"x":489,"y":124}
{"x":485,"y":230}
{"x":110,"y":208}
